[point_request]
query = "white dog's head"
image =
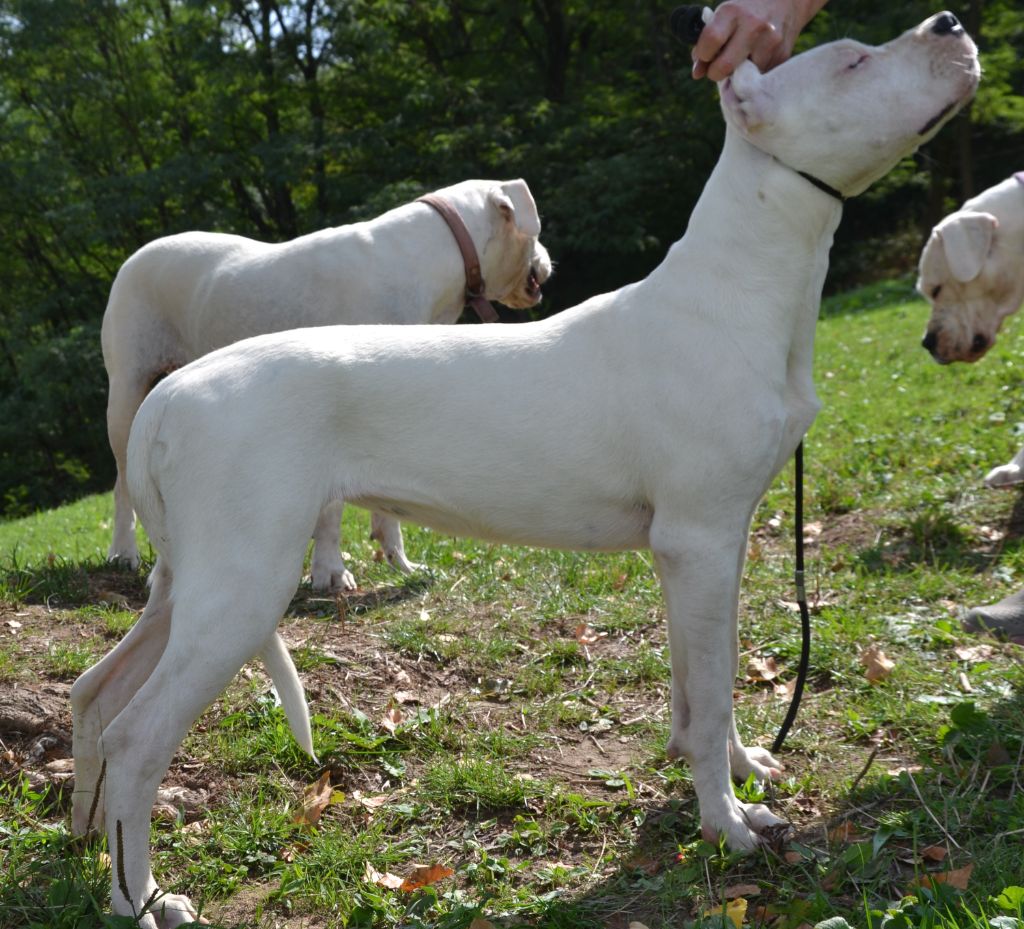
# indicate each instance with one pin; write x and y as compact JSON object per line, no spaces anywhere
{"x":847,"y":112}
{"x":972,"y":273}
{"x":502,"y":218}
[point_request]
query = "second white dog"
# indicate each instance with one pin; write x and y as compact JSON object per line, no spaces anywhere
{"x":182,"y":296}
{"x":972,"y":273}
{"x":652,"y":417}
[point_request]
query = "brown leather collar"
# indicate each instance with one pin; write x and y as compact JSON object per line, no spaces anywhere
{"x":474,"y":278}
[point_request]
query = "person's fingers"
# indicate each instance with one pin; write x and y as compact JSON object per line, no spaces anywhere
{"x":742,"y":44}
{"x":715,"y":35}
{"x":767,"y":47}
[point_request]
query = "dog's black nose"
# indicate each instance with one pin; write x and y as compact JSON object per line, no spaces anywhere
{"x":928,"y":342}
{"x":946,"y":23}
{"x":979,"y":343}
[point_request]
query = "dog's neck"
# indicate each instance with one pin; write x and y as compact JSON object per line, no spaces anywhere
{"x":764,"y":232}
{"x":793,"y":222}
{"x":406,"y":228}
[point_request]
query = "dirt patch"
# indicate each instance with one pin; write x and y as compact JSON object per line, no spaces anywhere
{"x":35,"y":733}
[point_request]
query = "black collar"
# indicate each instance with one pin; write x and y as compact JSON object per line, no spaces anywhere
{"x":821,"y":185}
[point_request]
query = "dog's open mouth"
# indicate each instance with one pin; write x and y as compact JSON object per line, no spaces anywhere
{"x":533,"y":285}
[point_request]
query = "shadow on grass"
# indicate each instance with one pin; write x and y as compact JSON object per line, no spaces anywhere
{"x":934,"y":538}
{"x":69,"y":584}
{"x":308,"y":602}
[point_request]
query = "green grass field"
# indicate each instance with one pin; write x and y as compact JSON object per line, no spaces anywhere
{"x":504,"y":717}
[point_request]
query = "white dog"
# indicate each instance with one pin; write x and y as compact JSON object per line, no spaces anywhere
{"x":972,"y":273}
{"x":652,"y":417}
{"x":182,"y":296}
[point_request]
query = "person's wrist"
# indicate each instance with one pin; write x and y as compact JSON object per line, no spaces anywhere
{"x":807,"y":9}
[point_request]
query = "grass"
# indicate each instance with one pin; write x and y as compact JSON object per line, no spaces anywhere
{"x":505,"y":717}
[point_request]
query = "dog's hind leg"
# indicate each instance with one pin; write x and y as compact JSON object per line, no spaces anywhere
{"x":105,"y":689}
{"x":699,"y":571}
{"x":328,"y":570}
{"x":388,"y":531}
{"x":127,"y":391}
{"x":1008,"y":474}
{"x":214,"y":631}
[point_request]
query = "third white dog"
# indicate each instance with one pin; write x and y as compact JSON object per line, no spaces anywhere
{"x":185,"y":295}
{"x":972,"y":273}
{"x":652,"y":417}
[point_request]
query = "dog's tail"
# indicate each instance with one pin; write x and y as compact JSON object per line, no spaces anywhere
{"x":282,"y":672}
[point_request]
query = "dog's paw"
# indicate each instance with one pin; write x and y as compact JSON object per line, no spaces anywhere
{"x":397,"y":560}
{"x":339,"y":580}
{"x":747,"y":827}
{"x":172,"y":910}
{"x":124,"y":559}
{"x":757,"y":761}
{"x":1004,"y":476}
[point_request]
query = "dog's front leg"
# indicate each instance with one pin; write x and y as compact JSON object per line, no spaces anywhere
{"x":700,"y":572}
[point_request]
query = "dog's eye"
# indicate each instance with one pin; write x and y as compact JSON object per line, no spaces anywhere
{"x":857,"y":63}
{"x":936,"y":290}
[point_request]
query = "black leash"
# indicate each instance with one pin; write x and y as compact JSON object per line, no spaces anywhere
{"x":801,"y":599}
{"x":686,"y":24}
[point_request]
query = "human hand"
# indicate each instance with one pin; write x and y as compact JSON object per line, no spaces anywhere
{"x":762,"y":30}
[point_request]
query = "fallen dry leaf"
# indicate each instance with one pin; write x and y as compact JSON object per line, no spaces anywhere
{"x":846,"y":831}
{"x":736,"y":910}
{"x":636,"y":925}
{"x":741,"y":890}
{"x":996,"y":755}
{"x":372,"y":876}
{"x":587,"y":634}
{"x":878,"y":665}
{"x":371,"y":803}
{"x":424,"y":875}
{"x":958,"y":878}
{"x":392,"y":719}
{"x":784,"y":691}
{"x":934,"y":853}
{"x":481,"y":923}
{"x":762,"y":669}
{"x":315,"y":799}
{"x":904,"y":769}
{"x":973,"y":653}
{"x":404,"y":696}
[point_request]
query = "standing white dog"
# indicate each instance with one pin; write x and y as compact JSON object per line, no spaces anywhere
{"x":972,"y":273}
{"x":183,"y":296}
{"x":655,"y":416}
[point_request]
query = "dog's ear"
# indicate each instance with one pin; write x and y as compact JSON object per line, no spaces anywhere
{"x":515,"y":202}
{"x":966,"y":239}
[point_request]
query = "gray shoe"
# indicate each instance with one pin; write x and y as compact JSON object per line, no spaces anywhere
{"x":1004,"y":620}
